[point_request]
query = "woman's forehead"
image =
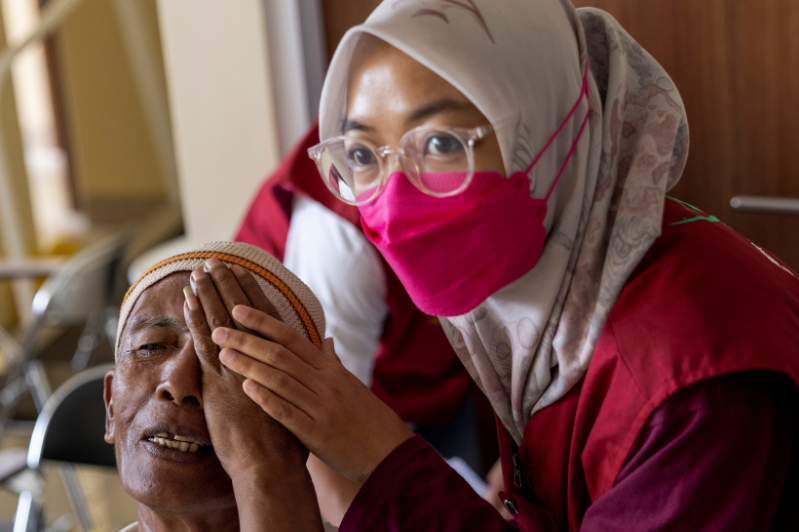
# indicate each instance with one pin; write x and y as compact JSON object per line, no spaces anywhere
{"x":389,"y":90}
{"x":384,"y":64}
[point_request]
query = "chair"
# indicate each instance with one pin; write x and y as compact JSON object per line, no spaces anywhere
{"x":69,"y":430}
{"x":80,"y":293}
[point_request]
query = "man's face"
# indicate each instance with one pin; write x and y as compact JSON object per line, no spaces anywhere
{"x":155,"y":389}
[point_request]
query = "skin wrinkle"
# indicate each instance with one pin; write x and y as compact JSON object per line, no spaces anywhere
{"x":137,"y":402}
{"x":147,"y":321}
{"x":169,"y":384}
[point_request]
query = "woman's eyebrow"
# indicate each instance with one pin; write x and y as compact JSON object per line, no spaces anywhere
{"x":350,"y":125}
{"x":437,"y":106}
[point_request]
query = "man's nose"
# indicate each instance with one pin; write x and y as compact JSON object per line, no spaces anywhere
{"x":181,"y":380}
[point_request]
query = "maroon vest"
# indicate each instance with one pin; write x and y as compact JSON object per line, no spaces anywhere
{"x":703,"y":302}
{"x":416,"y":371}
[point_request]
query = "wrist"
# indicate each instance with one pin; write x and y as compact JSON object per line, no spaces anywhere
{"x":254,"y":470}
{"x":276,"y":498}
{"x":272,"y":487}
{"x":400,"y":435}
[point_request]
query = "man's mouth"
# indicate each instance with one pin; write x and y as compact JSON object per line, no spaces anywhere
{"x":185,"y":444}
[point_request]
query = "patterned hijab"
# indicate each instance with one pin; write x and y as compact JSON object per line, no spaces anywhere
{"x":530,"y":342}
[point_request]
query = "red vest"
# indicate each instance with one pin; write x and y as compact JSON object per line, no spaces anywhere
{"x":416,"y":372}
{"x":703,"y":302}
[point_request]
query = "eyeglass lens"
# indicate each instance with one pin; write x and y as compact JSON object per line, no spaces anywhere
{"x":437,"y":161}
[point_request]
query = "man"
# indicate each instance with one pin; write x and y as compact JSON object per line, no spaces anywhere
{"x":193,"y":449}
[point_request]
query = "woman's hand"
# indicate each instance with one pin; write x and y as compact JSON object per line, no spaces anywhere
{"x":310,"y":393}
{"x":496,"y":483}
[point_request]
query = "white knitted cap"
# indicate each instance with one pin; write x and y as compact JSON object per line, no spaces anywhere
{"x":293,"y":300}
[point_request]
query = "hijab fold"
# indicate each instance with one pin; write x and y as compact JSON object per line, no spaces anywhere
{"x":521,"y":62}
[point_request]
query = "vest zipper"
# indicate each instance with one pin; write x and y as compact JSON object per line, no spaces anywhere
{"x":519,"y":479}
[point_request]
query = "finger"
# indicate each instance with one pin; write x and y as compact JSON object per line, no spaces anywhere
{"x":262,"y":351}
{"x":282,"y":411}
{"x":227,"y":286}
{"x":215,"y":312}
{"x":254,"y":292}
{"x":280,"y":333}
{"x":204,"y":345}
{"x":279,"y":382}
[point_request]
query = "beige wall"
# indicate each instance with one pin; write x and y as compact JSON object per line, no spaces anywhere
{"x":16,"y":166}
{"x":113,"y":156}
{"x":223,"y":118}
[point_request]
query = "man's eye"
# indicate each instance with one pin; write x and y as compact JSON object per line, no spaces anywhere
{"x":151,"y":349}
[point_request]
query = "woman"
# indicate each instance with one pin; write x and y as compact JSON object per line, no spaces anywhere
{"x":510,"y":161}
{"x":381,"y":337}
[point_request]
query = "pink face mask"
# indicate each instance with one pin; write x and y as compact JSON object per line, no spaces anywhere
{"x":452,"y":253}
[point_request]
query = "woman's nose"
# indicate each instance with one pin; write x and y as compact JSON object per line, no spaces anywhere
{"x":394,"y":164}
{"x":181,"y":380}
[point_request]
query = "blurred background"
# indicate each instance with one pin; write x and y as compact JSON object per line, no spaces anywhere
{"x":128,"y":125}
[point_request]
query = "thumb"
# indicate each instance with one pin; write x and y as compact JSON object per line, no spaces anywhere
{"x":329,"y":349}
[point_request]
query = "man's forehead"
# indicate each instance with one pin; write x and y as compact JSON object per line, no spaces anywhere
{"x":160,"y":305}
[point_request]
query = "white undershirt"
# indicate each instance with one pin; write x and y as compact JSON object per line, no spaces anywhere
{"x":335,"y":260}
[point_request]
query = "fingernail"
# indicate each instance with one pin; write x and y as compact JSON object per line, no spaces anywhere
{"x":250,"y":385}
{"x":226,"y":355}
{"x":191,"y":299}
{"x":219,"y":335}
{"x":239,"y":312}
{"x":237,"y":270}
{"x":196,"y":275}
{"x":211,"y":263}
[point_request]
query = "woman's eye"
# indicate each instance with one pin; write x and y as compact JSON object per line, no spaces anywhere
{"x":362,"y":156}
{"x":442,"y":145}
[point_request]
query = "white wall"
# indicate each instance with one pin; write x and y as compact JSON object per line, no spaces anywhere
{"x":221,"y":101}
{"x":298,"y":58}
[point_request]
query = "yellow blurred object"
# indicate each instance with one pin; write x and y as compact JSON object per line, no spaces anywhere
{"x":64,"y":248}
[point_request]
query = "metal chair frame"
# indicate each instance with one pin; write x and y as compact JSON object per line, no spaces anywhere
{"x":45,"y":445}
{"x":80,"y":293}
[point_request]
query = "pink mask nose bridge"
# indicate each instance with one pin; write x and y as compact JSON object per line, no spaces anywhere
{"x":583,"y":93}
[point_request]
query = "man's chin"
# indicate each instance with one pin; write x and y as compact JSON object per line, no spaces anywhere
{"x":174,"y":481}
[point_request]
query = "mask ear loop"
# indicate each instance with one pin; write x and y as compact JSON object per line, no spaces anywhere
{"x":583,"y":93}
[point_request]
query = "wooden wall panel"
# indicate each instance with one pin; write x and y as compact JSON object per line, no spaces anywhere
{"x":341,"y":15}
{"x":736,"y":64}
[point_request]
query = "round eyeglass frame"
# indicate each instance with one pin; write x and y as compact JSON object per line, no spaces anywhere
{"x":467,"y":137}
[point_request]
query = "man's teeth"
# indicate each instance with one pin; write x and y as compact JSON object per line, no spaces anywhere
{"x":185,"y":444}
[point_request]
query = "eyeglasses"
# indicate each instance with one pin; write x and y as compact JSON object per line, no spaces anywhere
{"x":438,"y":161}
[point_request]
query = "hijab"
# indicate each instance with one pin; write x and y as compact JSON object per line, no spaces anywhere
{"x":522,"y":61}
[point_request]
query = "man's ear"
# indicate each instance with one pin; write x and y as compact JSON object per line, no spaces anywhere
{"x":109,"y":406}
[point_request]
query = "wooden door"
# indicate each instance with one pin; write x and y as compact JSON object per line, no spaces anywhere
{"x":341,"y":15}
{"x":736,"y":64}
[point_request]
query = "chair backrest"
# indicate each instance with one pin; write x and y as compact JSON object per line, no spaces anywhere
{"x":71,"y":425}
{"x":84,"y":285}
